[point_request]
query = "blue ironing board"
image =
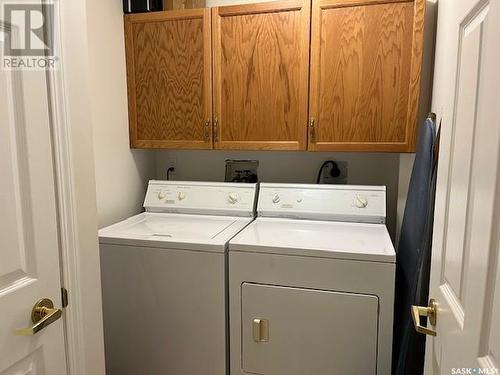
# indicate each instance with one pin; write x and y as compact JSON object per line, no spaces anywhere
{"x":413,"y":255}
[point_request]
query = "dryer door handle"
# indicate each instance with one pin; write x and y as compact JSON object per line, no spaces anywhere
{"x":260,"y":328}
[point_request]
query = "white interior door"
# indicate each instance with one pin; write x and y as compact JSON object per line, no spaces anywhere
{"x":464,"y":273}
{"x":29,"y":258}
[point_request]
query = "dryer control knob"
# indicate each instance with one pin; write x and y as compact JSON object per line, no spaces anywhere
{"x":276,"y":198}
{"x":233,"y":198}
{"x":181,"y":195}
{"x":360,"y":201}
{"x":161,"y":194}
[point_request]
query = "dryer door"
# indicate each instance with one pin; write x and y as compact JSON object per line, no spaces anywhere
{"x":294,"y":331}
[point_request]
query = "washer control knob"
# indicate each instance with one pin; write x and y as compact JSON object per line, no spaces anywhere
{"x":276,"y":198}
{"x":360,"y":201}
{"x":161,"y":195}
{"x":233,"y":198}
{"x":181,"y":195}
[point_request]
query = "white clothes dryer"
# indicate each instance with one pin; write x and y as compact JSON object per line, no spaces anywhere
{"x":311,"y":283}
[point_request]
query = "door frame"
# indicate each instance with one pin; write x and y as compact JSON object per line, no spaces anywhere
{"x":72,"y":144}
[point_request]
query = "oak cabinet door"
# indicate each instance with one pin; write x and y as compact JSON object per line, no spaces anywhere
{"x":169,"y":79}
{"x":366,"y":58}
{"x":261,"y":73}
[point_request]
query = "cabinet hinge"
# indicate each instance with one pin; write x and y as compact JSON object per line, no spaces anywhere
{"x":64,"y":297}
{"x":216,"y":123}
{"x":312,"y":130}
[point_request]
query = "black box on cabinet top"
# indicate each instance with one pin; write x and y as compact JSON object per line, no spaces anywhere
{"x":140,"y":6}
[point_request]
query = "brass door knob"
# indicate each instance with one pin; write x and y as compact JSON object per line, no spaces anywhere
{"x":42,"y":315}
{"x":430,"y":312}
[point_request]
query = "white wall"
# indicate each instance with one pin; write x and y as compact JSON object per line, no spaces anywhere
{"x":121,"y":174}
{"x":288,"y":166}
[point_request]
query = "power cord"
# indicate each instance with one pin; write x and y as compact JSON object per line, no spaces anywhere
{"x":334,"y":172}
{"x":170,"y":170}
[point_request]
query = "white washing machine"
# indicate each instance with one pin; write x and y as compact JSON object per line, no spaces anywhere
{"x":311,"y":283}
{"x":164,"y":279}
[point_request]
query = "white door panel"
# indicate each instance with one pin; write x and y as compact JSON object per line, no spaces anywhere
{"x":465,"y":246}
{"x":458,"y":225}
{"x":29,"y":258}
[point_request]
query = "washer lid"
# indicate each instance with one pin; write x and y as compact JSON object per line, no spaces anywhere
{"x":177,"y":231}
{"x":328,"y":239}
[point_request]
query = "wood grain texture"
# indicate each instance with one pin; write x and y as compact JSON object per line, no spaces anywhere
{"x":415,"y":75}
{"x":260,"y":8}
{"x":350,"y":3}
{"x":183,"y":4}
{"x":261,"y":68}
{"x":365,"y":75}
{"x":169,"y":79}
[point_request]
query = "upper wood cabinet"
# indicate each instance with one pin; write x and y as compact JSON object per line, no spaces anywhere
{"x":169,"y":79}
{"x":261,"y":75}
{"x":366,"y":60}
{"x":343,"y":75}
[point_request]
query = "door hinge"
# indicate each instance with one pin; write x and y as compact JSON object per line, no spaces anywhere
{"x":64,"y":297}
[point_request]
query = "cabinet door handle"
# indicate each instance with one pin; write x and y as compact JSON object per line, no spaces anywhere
{"x":207,"y":130}
{"x":215,"y":130}
{"x":312,"y":130}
